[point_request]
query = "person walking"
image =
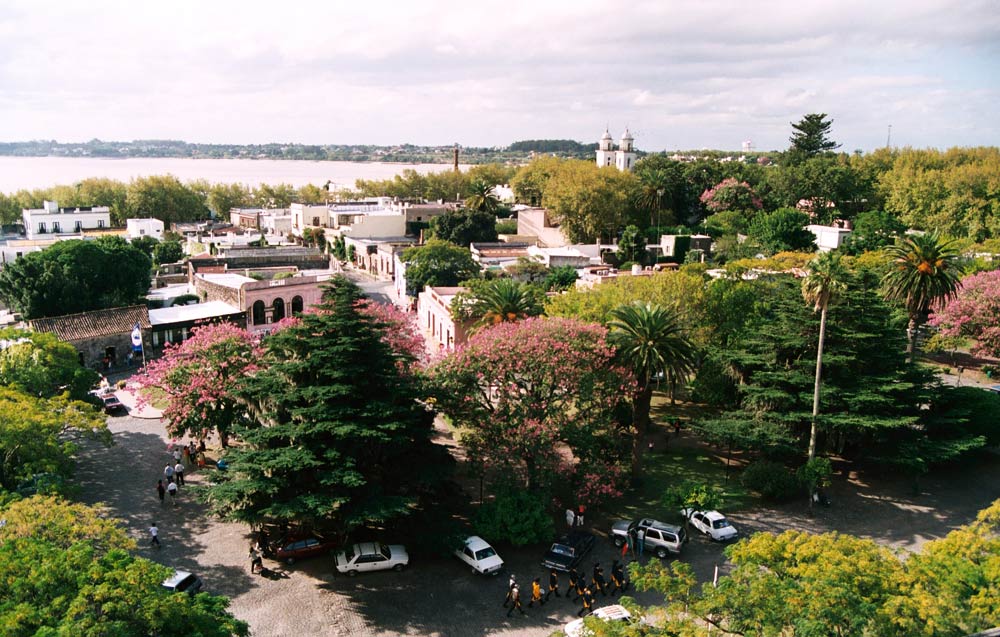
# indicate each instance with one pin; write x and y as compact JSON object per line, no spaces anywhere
{"x":618,"y":577}
{"x":177,"y":454}
{"x":515,"y":601}
{"x":154,"y":535}
{"x":574,"y":580}
{"x":160,"y":490}
{"x":579,"y":515}
{"x":179,"y":473}
{"x":598,"y":579}
{"x":186,"y":455}
{"x":172,"y":490}
{"x":640,"y":539}
{"x":168,"y":473}
{"x":581,"y":587}
{"x":511,"y":584}
{"x":553,"y":584}
{"x":536,"y":592}
{"x":256,"y":560}
{"x":588,"y":603}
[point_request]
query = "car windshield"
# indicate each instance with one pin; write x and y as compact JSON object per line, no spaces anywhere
{"x":720,"y":524}
{"x":384,"y":550}
{"x":482,"y":554}
{"x":562,"y":549}
{"x":349,"y":555}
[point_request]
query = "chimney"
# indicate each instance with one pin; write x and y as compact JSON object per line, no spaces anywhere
{"x":456,"y":157}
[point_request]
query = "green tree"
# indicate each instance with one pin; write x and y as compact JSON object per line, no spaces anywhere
{"x":336,"y":436}
{"x":466,"y":226}
{"x":560,"y":278}
{"x":165,"y":198}
{"x":812,"y":136}
{"x":36,"y":439}
{"x":530,"y":181}
{"x":501,"y":301}
{"x":823,"y":281}
{"x":145,"y":243}
{"x":437,"y":263}
{"x":873,"y":230}
{"x":650,"y":342}
{"x":924,"y":274}
{"x":632,"y":246}
{"x":482,"y":199}
{"x":167,"y":252}
{"x":590,"y":202}
{"x":38,"y":363}
{"x":223,"y":197}
{"x":76,"y":276}
{"x":781,"y":230}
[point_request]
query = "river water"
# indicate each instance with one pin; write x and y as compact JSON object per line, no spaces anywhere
{"x":41,"y":172}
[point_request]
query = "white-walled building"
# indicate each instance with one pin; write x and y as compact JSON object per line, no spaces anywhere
{"x":434,"y":316}
{"x":828,"y":237}
{"x":144,"y":228}
{"x":50,"y":219}
{"x":622,"y":158}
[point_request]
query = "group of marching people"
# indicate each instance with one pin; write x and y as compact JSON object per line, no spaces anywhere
{"x":578,"y":587}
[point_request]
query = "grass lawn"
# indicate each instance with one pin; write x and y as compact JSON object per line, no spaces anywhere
{"x":155,"y":396}
{"x":672,"y":466}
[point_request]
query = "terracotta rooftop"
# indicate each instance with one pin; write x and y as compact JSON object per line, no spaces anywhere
{"x":74,"y":327}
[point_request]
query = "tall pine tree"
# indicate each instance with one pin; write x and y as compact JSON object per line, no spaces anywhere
{"x":336,"y":437}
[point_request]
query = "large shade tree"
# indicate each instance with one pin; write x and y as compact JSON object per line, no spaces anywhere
{"x":649,"y":341}
{"x":39,"y":364}
{"x":974,"y":312}
{"x":437,"y":263}
{"x":336,"y":436}
{"x":924,"y":274}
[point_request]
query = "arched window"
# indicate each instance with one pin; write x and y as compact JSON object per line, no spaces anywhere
{"x":279,"y":310}
{"x":258,"y":313}
{"x":296,"y":305}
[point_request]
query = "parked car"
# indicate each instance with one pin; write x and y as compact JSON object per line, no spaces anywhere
{"x":661,"y":538}
{"x":112,"y":404}
{"x":183,"y":582}
{"x":711,"y":523}
{"x":371,"y":556}
{"x":568,"y":551}
{"x":296,"y":547}
{"x":477,"y":553}
{"x":995,"y":389}
{"x":607,"y":613}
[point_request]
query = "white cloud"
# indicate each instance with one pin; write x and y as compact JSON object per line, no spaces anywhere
{"x":681,"y":74}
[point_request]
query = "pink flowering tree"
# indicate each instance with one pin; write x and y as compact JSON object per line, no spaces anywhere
{"x":400,"y":333}
{"x":974,"y":313}
{"x":537,"y":399}
{"x":199,"y":378}
{"x":730,"y":194}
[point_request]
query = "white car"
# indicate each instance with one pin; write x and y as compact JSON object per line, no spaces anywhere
{"x":478,"y":554}
{"x":371,"y":556}
{"x":608,"y":613}
{"x":711,"y":523}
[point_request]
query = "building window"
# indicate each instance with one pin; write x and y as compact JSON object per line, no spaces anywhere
{"x":296,"y":305}
{"x":279,"y":310}
{"x":100,"y":223}
{"x":55,"y":227}
{"x":41,"y":227}
{"x":258,"y":313}
{"x":77,"y":226}
{"x":142,"y":232}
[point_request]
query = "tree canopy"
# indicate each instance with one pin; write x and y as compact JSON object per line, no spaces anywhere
{"x":39,"y":364}
{"x":812,"y":136}
{"x":437,"y":263}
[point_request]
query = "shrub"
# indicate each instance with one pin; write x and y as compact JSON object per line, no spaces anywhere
{"x":506,"y":227}
{"x":772,"y":480}
{"x":518,"y":517}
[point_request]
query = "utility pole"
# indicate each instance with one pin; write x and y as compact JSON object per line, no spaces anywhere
{"x":888,"y":138}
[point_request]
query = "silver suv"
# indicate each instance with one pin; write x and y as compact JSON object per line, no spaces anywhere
{"x":661,"y":538}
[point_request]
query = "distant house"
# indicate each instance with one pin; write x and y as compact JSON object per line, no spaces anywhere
{"x":174,"y":324}
{"x":50,"y":219}
{"x":434,"y":317}
{"x":828,"y":237}
{"x":262,"y":303}
{"x":538,"y":223}
{"x":137,"y":228}
{"x":100,"y":334}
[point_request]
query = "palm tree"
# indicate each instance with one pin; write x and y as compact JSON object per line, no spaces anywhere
{"x":825,"y":279}
{"x":482,"y":199}
{"x":924,"y":274}
{"x":650,"y":341}
{"x":503,"y":301}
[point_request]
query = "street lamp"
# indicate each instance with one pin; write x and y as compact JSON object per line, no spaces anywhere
{"x":659,"y":206}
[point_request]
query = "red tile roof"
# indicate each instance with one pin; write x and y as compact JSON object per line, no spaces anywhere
{"x":75,"y":327}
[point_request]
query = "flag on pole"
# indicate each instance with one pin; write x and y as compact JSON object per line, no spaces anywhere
{"x":136,"y":338}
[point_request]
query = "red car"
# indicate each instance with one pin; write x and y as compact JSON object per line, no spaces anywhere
{"x":297,"y":547}
{"x":112,"y":404}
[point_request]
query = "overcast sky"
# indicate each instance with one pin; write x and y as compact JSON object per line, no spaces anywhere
{"x":691,"y":74}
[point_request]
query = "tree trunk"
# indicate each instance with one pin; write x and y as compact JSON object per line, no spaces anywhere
{"x":640,"y":417}
{"x":816,"y":386}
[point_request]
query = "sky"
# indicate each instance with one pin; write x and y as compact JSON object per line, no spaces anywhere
{"x":679,"y":75}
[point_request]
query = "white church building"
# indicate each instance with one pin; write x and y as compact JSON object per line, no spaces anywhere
{"x":623,"y":158}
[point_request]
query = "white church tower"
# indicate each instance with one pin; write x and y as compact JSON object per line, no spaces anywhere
{"x":605,"y":151}
{"x":625,"y":156}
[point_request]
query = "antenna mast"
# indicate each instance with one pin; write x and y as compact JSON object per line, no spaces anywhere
{"x":888,"y":138}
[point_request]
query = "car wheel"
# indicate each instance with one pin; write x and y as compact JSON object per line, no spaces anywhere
{"x":352,"y":573}
{"x":619,"y":541}
{"x":474,"y":571}
{"x":289,"y":560}
{"x":661,"y":553}
{"x":397,"y":567}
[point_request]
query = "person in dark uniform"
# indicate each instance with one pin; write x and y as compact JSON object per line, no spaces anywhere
{"x":618,"y":577}
{"x":581,"y":586}
{"x":598,"y":579}
{"x":515,"y":601}
{"x":574,"y":579}
{"x":553,"y":584}
{"x":588,"y":603}
{"x":536,"y":592}
{"x":510,"y":590}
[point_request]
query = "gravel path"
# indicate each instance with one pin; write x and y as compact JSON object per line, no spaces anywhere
{"x":441,"y":597}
